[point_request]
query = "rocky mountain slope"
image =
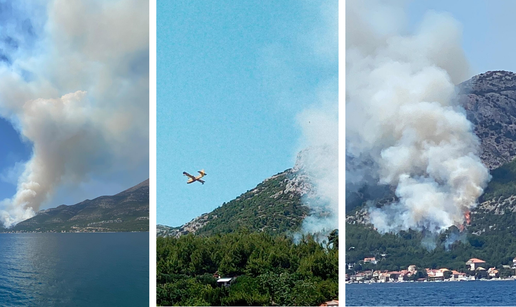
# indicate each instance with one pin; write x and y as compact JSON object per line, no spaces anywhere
{"x":490,"y":103}
{"x":125,"y":211}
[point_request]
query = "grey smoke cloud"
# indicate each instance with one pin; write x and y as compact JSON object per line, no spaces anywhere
{"x":85,"y":109}
{"x":401,"y":114}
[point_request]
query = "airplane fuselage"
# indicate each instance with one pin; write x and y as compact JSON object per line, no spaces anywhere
{"x":192,"y":178}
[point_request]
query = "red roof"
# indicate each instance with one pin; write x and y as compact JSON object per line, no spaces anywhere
{"x":476,"y":260}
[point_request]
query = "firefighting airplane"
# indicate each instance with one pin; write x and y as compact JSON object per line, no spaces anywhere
{"x":195,"y":178}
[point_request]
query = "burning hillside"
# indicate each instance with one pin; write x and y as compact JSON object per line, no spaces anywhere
{"x":404,"y":121}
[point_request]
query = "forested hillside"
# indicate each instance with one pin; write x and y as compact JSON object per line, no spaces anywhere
{"x":274,"y":207}
{"x":503,"y":182}
{"x":398,"y":251}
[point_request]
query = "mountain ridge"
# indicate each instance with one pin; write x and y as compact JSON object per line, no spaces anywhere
{"x":273,"y":206}
{"x":125,"y":211}
{"x":490,"y":103}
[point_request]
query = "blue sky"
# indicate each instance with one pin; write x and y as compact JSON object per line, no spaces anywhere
{"x":12,"y":151}
{"x":232,"y":77}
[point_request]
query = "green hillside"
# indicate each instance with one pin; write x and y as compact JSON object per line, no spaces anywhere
{"x":491,"y":236}
{"x":406,"y":248}
{"x":503,"y":183}
{"x":270,"y":207}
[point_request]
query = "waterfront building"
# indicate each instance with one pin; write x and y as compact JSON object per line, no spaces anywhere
{"x":475,"y":263}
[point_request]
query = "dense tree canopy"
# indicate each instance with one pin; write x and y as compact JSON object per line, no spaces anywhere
{"x":269,"y":270}
{"x":503,"y":182}
{"x":450,"y":249}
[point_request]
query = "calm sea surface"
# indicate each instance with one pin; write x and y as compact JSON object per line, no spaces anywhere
{"x":464,"y":293}
{"x":74,"y":269}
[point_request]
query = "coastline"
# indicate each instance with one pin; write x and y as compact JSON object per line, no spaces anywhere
{"x":512,"y":278}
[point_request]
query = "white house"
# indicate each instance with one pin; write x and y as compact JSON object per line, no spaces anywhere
{"x":475,"y":263}
{"x":224,"y":281}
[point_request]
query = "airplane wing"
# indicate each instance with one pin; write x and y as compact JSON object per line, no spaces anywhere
{"x":201,"y":181}
{"x":186,"y":174}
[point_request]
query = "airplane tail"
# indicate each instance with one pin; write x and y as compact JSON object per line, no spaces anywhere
{"x":202,"y":172}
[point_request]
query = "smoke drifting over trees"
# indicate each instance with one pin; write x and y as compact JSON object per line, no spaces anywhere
{"x":402,"y":120}
{"x":79,"y":94}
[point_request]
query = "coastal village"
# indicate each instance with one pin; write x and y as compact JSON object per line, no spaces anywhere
{"x":474,"y":269}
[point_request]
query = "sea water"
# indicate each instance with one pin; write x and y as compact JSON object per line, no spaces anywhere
{"x":74,"y":269}
{"x":461,"y":293}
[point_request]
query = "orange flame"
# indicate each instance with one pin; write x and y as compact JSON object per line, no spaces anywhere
{"x":467,"y":217}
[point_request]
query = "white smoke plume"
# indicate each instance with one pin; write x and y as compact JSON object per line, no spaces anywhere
{"x":402,"y":116}
{"x":319,"y":163}
{"x":84,"y":107}
{"x":319,"y":126}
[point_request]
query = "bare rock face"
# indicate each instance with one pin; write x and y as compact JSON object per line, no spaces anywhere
{"x":190,"y":227}
{"x":497,"y":206}
{"x":490,"y":103}
{"x":298,"y":179}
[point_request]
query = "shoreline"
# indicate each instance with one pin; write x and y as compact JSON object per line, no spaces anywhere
{"x":513,"y":278}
